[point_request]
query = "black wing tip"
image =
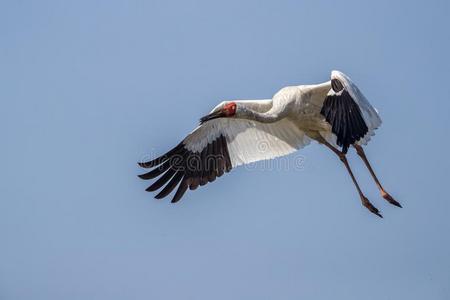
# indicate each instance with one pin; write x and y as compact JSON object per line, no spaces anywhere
{"x":179,"y":195}
{"x":150,"y":189}
{"x":345,"y":117}
{"x":157,"y":161}
{"x":206,"y":170}
{"x":142,"y":176}
{"x":143,"y":164}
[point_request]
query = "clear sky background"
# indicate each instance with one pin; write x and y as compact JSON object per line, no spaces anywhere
{"x":88,"y":88}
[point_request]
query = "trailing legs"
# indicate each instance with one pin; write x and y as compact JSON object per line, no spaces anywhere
{"x":384,"y":194}
{"x":343,"y":158}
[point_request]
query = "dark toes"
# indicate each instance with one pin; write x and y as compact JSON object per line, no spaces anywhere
{"x":370,"y":207}
{"x":393,"y":202}
{"x":378,"y":214}
{"x":390,"y":199}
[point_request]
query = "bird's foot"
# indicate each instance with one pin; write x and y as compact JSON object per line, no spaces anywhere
{"x":389,"y":198}
{"x":370,"y":207}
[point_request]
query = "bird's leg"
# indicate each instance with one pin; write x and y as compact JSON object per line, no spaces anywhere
{"x":343,"y":158}
{"x":384,"y":194}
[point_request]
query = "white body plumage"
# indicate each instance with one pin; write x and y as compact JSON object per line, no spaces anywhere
{"x":334,"y":113}
{"x":300,"y":120}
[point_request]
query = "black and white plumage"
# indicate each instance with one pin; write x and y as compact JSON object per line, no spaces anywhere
{"x":345,"y":118}
{"x":334,"y":113}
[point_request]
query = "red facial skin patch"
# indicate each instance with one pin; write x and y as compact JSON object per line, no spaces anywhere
{"x":230,"y":109}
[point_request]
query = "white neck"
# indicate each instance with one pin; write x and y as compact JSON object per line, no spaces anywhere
{"x":263,"y":113}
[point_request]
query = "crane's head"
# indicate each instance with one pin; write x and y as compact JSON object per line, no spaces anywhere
{"x":225,"y":111}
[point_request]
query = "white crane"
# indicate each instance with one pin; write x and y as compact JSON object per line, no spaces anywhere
{"x":335,"y":114}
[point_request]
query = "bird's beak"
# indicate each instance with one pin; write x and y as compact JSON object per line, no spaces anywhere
{"x":212,"y":116}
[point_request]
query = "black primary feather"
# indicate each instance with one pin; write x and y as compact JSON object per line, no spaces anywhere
{"x":345,"y":117}
{"x":187,"y":169}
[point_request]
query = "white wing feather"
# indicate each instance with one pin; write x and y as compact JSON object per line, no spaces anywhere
{"x":249,"y":141}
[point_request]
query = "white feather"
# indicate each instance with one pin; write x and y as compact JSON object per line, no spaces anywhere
{"x":249,"y":141}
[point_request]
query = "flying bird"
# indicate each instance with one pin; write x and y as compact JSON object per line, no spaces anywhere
{"x":335,"y":114}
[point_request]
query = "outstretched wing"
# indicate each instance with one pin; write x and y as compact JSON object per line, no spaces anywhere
{"x":352,"y":118}
{"x":217,"y":146}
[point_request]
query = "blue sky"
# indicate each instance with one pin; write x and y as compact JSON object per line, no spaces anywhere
{"x":88,"y":88}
